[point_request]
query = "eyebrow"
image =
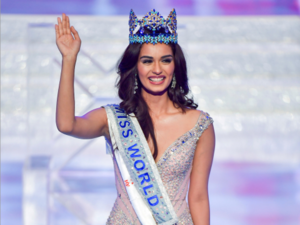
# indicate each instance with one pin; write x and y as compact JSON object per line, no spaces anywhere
{"x":149,"y":57}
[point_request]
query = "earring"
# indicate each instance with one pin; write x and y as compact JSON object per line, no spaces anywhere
{"x":173,"y":82}
{"x":135,"y":85}
{"x":181,"y":90}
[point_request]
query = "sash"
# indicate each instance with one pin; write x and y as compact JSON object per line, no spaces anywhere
{"x":144,"y":186}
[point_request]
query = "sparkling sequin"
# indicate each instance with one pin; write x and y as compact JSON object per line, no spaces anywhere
{"x":174,"y":168}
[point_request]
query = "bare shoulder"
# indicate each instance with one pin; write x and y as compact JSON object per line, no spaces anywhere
{"x":200,"y":114}
{"x":197,"y":112}
{"x":188,"y":119}
{"x":193,"y":112}
{"x":193,"y":115}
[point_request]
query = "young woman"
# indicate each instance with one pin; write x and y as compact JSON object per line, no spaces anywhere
{"x":159,"y":142}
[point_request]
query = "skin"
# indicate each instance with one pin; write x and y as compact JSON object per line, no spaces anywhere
{"x":155,"y":61}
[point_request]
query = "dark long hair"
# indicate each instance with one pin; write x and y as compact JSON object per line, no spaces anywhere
{"x":127,"y":68}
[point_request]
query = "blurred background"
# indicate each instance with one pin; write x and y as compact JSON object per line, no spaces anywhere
{"x":244,"y":69}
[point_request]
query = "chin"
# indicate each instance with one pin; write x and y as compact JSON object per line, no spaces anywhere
{"x":156,"y":91}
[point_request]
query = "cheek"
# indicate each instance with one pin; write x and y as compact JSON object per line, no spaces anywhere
{"x":142,"y":70}
{"x":170,"y":69}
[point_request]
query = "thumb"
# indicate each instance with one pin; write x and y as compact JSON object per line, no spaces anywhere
{"x":75,"y":33}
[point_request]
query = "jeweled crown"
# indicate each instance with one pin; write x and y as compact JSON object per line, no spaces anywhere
{"x":153,"y":21}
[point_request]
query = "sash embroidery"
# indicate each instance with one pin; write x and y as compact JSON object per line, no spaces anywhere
{"x":136,"y":154}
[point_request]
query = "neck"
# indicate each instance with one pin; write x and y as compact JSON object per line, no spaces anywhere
{"x":158,"y":104}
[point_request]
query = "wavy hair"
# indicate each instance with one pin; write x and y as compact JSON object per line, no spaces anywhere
{"x":127,"y":68}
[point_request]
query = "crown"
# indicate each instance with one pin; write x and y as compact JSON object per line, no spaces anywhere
{"x":153,"y":21}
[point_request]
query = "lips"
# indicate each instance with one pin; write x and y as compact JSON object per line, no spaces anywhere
{"x":156,"y":79}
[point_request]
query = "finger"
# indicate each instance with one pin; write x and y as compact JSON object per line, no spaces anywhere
{"x":60,"y":26}
{"x":56,"y":31}
{"x":75,"y":33}
{"x":64,"y":23}
{"x":68,"y":26}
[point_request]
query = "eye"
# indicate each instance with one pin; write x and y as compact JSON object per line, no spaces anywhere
{"x":167,"y":60}
{"x":147,"y":61}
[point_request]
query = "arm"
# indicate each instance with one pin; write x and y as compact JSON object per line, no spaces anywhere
{"x":198,"y":192}
{"x":94,"y":123}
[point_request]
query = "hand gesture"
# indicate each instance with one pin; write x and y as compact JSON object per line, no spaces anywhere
{"x":67,"y":44}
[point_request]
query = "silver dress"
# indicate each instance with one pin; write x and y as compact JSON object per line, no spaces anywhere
{"x":174,"y":167}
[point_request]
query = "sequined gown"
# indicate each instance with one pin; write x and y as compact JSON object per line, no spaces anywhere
{"x":174,"y":167}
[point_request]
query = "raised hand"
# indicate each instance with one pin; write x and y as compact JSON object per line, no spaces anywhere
{"x":67,"y":44}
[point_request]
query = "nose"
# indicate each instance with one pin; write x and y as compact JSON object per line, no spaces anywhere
{"x":156,"y":69}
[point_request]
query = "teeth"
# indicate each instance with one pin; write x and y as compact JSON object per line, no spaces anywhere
{"x":156,"y":79}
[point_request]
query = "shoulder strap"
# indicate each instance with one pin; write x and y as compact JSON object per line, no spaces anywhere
{"x":203,"y":123}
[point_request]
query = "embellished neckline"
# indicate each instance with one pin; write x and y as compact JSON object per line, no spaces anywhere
{"x":174,"y":142}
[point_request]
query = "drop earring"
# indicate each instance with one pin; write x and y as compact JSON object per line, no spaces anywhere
{"x":173,"y":82}
{"x":181,"y":90}
{"x":135,"y":85}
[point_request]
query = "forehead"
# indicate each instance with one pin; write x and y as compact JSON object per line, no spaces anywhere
{"x":157,"y":50}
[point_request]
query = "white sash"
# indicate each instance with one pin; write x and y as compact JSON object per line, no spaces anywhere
{"x":146,"y":212}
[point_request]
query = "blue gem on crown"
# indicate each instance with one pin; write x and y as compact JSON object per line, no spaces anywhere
{"x":153,"y":21}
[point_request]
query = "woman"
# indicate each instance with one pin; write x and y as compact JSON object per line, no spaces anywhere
{"x":159,"y":142}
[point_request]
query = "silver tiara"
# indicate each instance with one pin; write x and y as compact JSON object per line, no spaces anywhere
{"x":153,"y":21}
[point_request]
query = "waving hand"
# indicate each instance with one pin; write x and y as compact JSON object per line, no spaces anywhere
{"x":68,"y":44}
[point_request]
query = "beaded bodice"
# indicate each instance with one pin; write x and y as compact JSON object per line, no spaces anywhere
{"x":174,"y":167}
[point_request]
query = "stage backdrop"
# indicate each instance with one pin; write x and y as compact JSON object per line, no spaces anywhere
{"x":244,"y":71}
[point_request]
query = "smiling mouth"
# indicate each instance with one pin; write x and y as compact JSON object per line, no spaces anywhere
{"x":156,"y":79}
